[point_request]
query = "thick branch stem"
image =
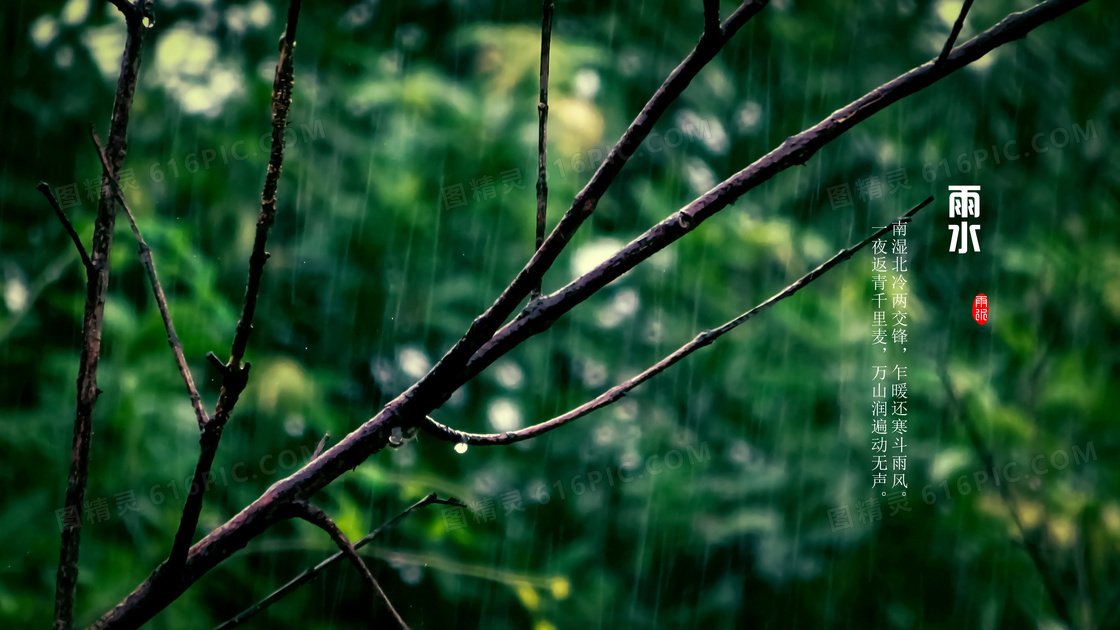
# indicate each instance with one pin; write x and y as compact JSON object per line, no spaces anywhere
{"x":711,"y":18}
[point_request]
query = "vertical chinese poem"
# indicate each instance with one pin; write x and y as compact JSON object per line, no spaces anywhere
{"x":890,"y":336}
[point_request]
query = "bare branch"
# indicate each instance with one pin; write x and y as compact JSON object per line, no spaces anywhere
{"x":66,"y":225}
{"x":953,"y":34}
{"x":157,"y":289}
{"x":125,"y":7}
{"x":542,"y":115}
{"x":319,"y":518}
{"x":97,"y":285}
{"x":541,"y":314}
{"x":711,"y":18}
{"x":443,"y":379}
{"x":1031,"y":537}
{"x":281,"y":103}
{"x":705,"y":338}
{"x":217,"y":363}
{"x":410,"y":408}
{"x":310,"y":574}
{"x":322,"y":445}
{"x":236,"y":376}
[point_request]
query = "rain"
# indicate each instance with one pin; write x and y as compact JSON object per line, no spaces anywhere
{"x":487,"y":314}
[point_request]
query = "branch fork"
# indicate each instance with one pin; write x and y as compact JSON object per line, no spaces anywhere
{"x":488,"y":337}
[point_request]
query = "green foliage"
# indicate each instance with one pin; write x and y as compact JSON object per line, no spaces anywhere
{"x":374,"y":273}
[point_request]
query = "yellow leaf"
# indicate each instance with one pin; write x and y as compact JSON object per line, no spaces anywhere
{"x":560,"y":587}
{"x":528,"y":596}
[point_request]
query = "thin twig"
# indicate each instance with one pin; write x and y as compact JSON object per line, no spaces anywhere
{"x":310,"y":574}
{"x":236,"y":375}
{"x":705,"y":338}
{"x":542,"y":115}
{"x":1030,"y":538}
{"x":319,"y":518}
{"x":157,"y":289}
{"x":953,"y":34}
{"x":322,"y":445}
{"x":97,"y":285}
{"x":66,"y":225}
{"x":153,"y":595}
{"x":281,"y":103}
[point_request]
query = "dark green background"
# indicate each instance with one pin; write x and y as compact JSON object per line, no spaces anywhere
{"x":373,"y":275}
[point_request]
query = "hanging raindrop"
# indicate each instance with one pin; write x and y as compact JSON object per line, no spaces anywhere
{"x":461,"y":447}
{"x":396,"y":437}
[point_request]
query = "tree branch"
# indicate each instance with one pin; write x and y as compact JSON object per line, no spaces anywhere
{"x":705,"y":338}
{"x":1031,"y":538}
{"x":542,"y":115}
{"x":124,"y":6}
{"x":157,"y":288}
{"x":319,"y":518}
{"x":410,"y":408}
{"x":711,"y":18}
{"x":443,"y":379}
{"x":541,"y":314}
{"x":236,"y":376}
{"x":66,"y":225}
{"x":97,"y":285}
{"x":953,"y":34}
{"x":322,"y":445}
{"x":310,"y":574}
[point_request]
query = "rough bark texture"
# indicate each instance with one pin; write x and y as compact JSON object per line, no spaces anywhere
{"x":96,"y":288}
